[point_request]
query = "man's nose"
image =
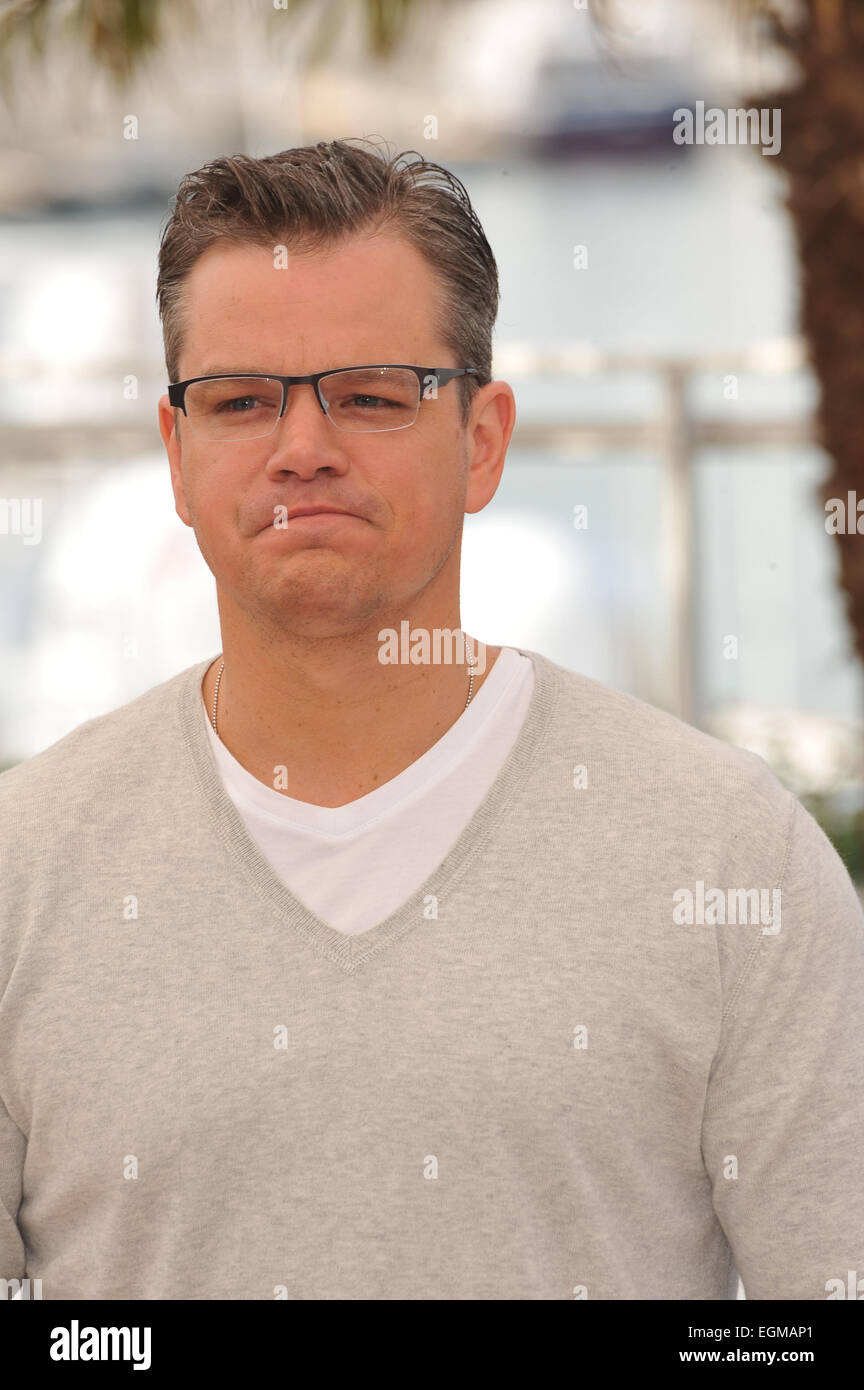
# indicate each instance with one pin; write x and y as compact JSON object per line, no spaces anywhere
{"x":304,"y":439}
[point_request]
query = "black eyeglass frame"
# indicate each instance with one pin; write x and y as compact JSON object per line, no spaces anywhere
{"x":443,"y":375}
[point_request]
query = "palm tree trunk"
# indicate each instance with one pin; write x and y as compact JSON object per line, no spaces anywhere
{"x":822,"y":152}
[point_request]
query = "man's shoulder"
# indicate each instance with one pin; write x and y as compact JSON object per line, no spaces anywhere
{"x":653,"y":749}
{"x":95,"y":754}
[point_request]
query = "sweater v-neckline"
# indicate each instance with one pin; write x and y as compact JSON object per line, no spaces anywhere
{"x":348,"y":951}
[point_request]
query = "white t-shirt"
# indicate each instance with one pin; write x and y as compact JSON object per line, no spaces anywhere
{"x":354,"y":865}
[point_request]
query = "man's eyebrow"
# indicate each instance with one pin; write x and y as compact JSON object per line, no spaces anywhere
{"x":255,"y":371}
{"x":232,"y":371}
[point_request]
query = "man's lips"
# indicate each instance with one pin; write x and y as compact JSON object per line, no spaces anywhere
{"x":316,"y":511}
{"x":279,"y":519}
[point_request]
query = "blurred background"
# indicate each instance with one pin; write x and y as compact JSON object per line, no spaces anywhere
{"x":678,"y":322}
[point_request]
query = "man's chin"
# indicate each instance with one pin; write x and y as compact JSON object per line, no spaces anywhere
{"x":321,"y":598}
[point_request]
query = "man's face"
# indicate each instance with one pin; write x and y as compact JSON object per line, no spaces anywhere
{"x":371,"y":300}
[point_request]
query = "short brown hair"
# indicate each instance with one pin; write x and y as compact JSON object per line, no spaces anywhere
{"x":313,"y":196}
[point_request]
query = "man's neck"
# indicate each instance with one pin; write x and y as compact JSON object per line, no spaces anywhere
{"x":337,"y":735}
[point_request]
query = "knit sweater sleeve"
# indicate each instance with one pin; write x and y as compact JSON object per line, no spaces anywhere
{"x":17,"y":877}
{"x":12,"y":1150}
{"x":783,"y":1125}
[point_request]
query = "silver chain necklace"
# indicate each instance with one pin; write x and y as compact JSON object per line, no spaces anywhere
{"x":472,"y":663}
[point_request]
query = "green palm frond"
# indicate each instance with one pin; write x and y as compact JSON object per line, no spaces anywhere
{"x":118,"y":36}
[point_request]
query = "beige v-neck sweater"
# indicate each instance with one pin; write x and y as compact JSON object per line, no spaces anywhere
{"x":557,"y":1071}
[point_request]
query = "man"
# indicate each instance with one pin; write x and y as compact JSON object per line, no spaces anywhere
{"x":326,"y":976}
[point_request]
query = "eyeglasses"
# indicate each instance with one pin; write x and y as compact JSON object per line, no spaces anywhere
{"x":357,"y":399}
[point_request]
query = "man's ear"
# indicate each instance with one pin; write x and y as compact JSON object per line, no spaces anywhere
{"x":490,"y":426}
{"x":169,"y":428}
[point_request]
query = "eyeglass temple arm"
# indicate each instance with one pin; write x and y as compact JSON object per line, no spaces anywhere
{"x":445,"y":374}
